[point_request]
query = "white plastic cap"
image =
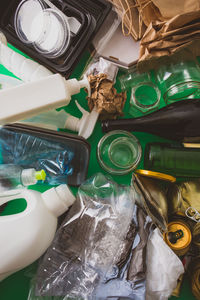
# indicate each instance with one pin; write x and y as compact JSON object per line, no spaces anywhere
{"x":73,"y":85}
{"x":28,"y":177}
{"x":72,"y":123}
{"x":85,"y":125}
{"x":58,"y":199}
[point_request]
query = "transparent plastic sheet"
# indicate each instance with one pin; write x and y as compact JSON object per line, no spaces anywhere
{"x":94,"y":252}
{"x":30,"y":151}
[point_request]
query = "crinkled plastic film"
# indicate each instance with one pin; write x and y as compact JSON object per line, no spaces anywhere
{"x":30,"y":151}
{"x":94,"y":251}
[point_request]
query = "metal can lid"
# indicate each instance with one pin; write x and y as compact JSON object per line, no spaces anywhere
{"x":183,"y":242}
{"x":156,"y":175}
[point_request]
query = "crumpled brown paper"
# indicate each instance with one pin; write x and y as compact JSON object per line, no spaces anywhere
{"x":105,"y":98}
{"x":172,"y":26}
{"x":164,"y":39}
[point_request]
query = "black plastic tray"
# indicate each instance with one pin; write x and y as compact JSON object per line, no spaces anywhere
{"x":78,"y":145}
{"x":90,"y":13}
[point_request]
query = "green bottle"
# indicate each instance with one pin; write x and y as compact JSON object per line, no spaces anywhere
{"x":176,"y":161}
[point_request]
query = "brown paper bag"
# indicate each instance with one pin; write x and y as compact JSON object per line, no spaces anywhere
{"x":170,"y":8}
{"x":166,"y":38}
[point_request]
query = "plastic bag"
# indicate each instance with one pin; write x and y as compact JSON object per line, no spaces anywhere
{"x":163,"y":268}
{"x":89,"y":244}
{"x":30,"y":151}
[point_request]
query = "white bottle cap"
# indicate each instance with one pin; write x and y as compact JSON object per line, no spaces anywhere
{"x":72,"y":123}
{"x":73,"y":85}
{"x":85,"y":125}
{"x":58,"y":199}
{"x":28,"y":177}
{"x":31,"y":176}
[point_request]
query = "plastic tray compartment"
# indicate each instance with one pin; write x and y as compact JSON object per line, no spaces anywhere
{"x":78,"y":145}
{"x":90,"y":13}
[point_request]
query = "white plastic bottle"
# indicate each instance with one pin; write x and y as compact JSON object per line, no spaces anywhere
{"x":25,"y":236}
{"x":41,"y":92}
{"x":15,"y":176}
{"x":60,"y":119}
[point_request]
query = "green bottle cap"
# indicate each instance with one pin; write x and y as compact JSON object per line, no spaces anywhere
{"x":40,"y":175}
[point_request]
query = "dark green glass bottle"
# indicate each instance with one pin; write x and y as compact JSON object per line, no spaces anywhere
{"x":176,"y":161}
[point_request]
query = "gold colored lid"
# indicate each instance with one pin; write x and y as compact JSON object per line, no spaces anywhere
{"x":156,"y":175}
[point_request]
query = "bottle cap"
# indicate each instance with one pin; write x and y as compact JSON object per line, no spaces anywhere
{"x":156,"y":175}
{"x":58,"y":199}
{"x":40,"y":175}
{"x":74,"y":86}
{"x":85,"y":125}
{"x":28,"y":177}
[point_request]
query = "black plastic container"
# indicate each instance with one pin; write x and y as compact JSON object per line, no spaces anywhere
{"x":79,"y":146}
{"x":90,"y":13}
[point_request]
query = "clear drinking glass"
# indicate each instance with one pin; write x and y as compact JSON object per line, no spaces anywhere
{"x":119,"y":152}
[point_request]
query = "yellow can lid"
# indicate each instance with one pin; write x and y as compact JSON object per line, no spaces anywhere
{"x":183,"y":242}
{"x":156,"y":175}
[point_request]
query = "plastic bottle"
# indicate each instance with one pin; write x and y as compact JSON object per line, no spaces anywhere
{"x":175,"y":121}
{"x":177,"y":161}
{"x":41,"y":92}
{"x":22,"y":67}
{"x":25,"y":236}
{"x":60,"y":119}
{"x":18,"y":177}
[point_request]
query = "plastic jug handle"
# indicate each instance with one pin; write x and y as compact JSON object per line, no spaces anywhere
{"x":10,"y":195}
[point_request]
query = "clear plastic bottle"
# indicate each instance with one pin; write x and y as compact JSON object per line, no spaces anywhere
{"x":14,"y":176}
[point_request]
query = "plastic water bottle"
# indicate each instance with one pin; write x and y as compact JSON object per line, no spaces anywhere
{"x":26,"y":236}
{"x":14,"y":176}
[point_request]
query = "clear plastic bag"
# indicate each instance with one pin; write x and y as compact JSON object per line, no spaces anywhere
{"x":88,"y":248}
{"x":31,"y":151}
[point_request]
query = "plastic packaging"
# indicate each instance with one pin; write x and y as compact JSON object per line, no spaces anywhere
{"x":46,"y":28}
{"x":176,"y":121}
{"x":63,"y":157}
{"x":28,"y":234}
{"x":8,"y":81}
{"x":15,"y":176}
{"x":22,"y":67}
{"x":90,"y":242}
{"x":163,"y":268}
{"x":177,"y":161}
{"x":44,"y":90}
{"x":90,"y":14}
{"x":45,"y":94}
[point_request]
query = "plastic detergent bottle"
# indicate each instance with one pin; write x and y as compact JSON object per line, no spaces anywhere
{"x":14,"y":176}
{"x":26,"y":235}
{"x":42,"y":90}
